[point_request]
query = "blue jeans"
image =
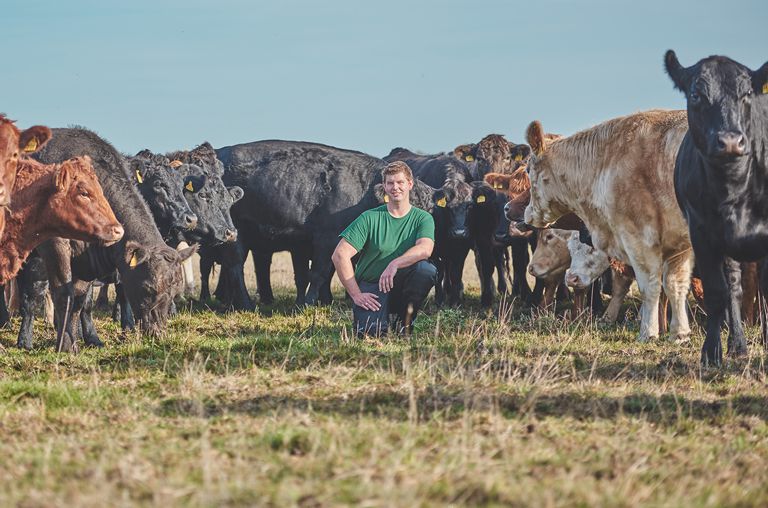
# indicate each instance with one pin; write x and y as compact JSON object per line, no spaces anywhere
{"x":409,"y":290}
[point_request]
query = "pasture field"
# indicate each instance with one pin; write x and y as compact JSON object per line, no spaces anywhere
{"x":280,"y":408}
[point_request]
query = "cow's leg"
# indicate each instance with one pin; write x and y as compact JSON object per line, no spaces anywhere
{"x":737,"y":342}
{"x":620,"y":284}
{"x":677,"y":280}
{"x":500,"y":261}
{"x":322,"y":267}
{"x":300,"y":261}
{"x":749,"y":292}
{"x":206,"y":265}
{"x":711,"y":266}
{"x":127,"y":321}
{"x":90,"y":337}
{"x":262,"y":264}
{"x":550,"y":293}
{"x":520,"y":259}
{"x":762,"y":300}
{"x":439,"y":285}
{"x":649,"y":281}
{"x":484,"y":262}
{"x":454,"y":271}
{"x":5,"y":316}
{"x":579,"y":301}
{"x":27,"y":311}
{"x":102,"y":300}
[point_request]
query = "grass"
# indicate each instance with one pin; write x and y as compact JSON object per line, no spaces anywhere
{"x":284,"y":408}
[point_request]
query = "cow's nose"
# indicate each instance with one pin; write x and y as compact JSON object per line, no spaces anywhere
{"x":117,"y":232}
{"x":230,"y":235}
{"x":731,"y":143}
{"x":190,"y":220}
{"x":531,"y":270}
{"x":506,"y":209}
{"x":571,"y":279}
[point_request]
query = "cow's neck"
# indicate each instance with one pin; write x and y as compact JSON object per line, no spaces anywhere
{"x":24,"y":227}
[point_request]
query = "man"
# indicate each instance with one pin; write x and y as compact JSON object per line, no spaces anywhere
{"x":392,"y":275}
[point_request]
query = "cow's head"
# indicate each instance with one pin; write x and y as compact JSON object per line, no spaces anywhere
{"x":77,"y":209}
{"x":551,"y":257}
{"x":544,"y":207}
{"x":514,"y":187}
{"x":493,"y":154}
{"x":208,"y":197}
{"x":587,"y":263}
{"x":727,"y":104}
{"x":162,"y":185}
{"x":155,"y":280}
{"x":13,"y":145}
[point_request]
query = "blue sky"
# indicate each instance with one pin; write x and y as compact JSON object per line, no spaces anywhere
{"x":427,"y":75}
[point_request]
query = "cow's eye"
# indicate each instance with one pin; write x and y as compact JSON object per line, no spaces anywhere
{"x":694,"y":98}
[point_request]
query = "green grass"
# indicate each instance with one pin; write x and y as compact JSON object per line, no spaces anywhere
{"x":283,"y":408}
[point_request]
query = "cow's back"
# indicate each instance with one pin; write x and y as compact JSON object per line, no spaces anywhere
{"x":295,"y":184}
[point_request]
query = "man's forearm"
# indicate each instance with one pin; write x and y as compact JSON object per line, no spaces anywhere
{"x":346,"y":274}
{"x":413,"y":255}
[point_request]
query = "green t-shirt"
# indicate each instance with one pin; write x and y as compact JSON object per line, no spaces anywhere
{"x":380,"y":238}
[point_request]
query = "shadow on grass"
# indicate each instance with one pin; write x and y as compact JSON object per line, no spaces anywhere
{"x":666,"y":410}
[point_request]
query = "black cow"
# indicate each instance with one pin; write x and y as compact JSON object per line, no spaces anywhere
{"x":162,"y":187}
{"x":148,"y":268}
{"x":721,"y":183}
{"x":299,"y":192}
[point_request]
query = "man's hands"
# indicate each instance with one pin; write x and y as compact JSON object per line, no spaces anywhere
{"x":368,"y":301}
{"x":387,"y":279}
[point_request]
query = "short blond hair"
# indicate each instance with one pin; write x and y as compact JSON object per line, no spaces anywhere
{"x":396,"y":167}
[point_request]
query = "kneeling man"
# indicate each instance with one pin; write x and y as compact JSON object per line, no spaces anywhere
{"x":392,"y":275}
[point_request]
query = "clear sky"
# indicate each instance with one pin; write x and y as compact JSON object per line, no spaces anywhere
{"x":428,"y":75}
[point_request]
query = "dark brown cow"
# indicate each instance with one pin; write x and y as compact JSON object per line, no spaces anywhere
{"x":54,"y":200}
{"x":14,"y":143}
{"x":493,"y":154}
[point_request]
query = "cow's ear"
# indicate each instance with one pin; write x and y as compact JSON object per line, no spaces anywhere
{"x":63,"y":177}
{"x":184,"y":254}
{"x":760,"y":79}
{"x":677,"y":72}
{"x":465,"y":153}
{"x":534,"y":135}
{"x":236,"y":193}
{"x":33,"y":139}
{"x":194,"y":183}
{"x":378,"y":191}
{"x":520,"y":153}
{"x":136,"y":168}
{"x":135,"y":254}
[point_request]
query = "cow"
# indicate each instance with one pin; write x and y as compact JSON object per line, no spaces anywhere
{"x":720,"y":182}
{"x":163,"y":188}
{"x":14,"y":146}
{"x":53,"y":200}
{"x":617,"y":177}
{"x":493,"y":154}
{"x":299,"y":192}
{"x":149,"y":270}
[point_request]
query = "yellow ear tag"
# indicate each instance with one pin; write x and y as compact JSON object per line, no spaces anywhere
{"x":175,"y":164}
{"x":442,"y":202}
{"x":518,"y":158}
{"x":386,"y":198}
{"x":134,"y":262}
{"x":31,"y":146}
{"x":138,"y":177}
{"x":480,"y":199}
{"x":765,"y":88}
{"x":469,"y":158}
{"x":190,"y":187}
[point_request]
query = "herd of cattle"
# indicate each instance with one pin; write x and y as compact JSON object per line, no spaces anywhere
{"x":638,"y":197}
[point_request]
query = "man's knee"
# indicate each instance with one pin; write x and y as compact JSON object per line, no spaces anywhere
{"x":425,"y":271}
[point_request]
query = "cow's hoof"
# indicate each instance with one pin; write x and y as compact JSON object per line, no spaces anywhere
{"x":93,"y":342}
{"x":680,"y":339}
{"x":737,"y":351}
{"x":643,"y":338}
{"x":24,"y":345}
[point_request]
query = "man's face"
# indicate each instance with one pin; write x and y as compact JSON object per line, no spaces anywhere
{"x":397,"y":187}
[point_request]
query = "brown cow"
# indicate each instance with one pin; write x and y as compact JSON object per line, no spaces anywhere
{"x":54,"y":200}
{"x":493,"y":154}
{"x":549,"y":263}
{"x":14,"y":143}
{"x":617,"y":177}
